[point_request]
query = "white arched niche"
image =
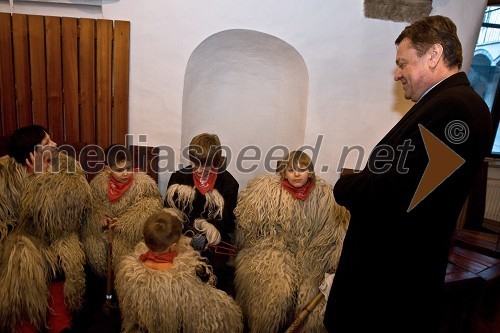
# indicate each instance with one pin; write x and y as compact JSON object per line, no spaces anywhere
{"x":251,"y":89}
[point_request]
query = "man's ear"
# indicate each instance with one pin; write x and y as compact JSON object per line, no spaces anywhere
{"x":435,"y":55}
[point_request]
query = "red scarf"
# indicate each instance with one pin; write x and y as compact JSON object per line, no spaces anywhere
{"x":300,"y":193}
{"x":205,"y":185}
{"x":116,"y":188}
{"x":165,"y":257}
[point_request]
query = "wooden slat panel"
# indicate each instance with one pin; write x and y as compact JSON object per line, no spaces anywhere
{"x":38,"y":70}
{"x":121,"y":65}
{"x":22,"y":70}
{"x":87,"y":81}
{"x":69,"y":75}
{"x":70,"y":79}
{"x":104,"y":39}
{"x":54,"y":77}
{"x":146,"y":159}
{"x":7,"y":100}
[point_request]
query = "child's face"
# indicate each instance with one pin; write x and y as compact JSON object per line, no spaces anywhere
{"x":121,"y":172}
{"x":47,"y":145}
{"x":297,"y":178}
{"x":45,"y":151}
{"x":202,"y":170}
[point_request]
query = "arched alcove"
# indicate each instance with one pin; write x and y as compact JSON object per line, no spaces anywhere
{"x":251,"y":89}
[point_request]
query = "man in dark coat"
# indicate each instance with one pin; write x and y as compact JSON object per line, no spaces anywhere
{"x":405,"y":203}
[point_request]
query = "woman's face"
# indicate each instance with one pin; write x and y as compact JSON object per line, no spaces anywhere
{"x":298,"y":177}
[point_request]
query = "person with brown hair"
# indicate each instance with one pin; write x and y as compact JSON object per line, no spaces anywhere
{"x":207,"y":193}
{"x":123,"y":199}
{"x":289,"y":234}
{"x":159,"y":288}
{"x":162,"y":232}
{"x":391,"y":272}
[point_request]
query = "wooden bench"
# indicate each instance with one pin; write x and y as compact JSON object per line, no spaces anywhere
{"x":481,"y":242}
{"x":472,"y":282}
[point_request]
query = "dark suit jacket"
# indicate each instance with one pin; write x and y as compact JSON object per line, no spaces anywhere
{"x":393,"y":261}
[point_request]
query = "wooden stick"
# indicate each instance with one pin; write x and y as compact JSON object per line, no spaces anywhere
{"x":109,"y":275}
{"x":302,"y":315}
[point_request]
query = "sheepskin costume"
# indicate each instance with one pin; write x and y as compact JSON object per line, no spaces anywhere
{"x":142,"y":199}
{"x":286,"y":247}
{"x":215,"y":207}
{"x":12,"y":176}
{"x":174,"y":300}
{"x":45,"y":245}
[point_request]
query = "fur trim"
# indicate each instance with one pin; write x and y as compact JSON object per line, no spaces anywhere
{"x":45,"y":242}
{"x":286,"y":247}
{"x":12,"y":175}
{"x":188,"y":305}
{"x":54,"y":204}
{"x":182,"y":197}
{"x":214,"y":204}
{"x":142,"y":199}
{"x":69,"y":250}
{"x":185,"y":197}
{"x":24,"y":272}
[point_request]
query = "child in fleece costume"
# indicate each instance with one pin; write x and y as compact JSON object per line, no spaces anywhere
{"x":290,"y":232}
{"x":159,"y":290}
{"x":123,"y":200}
{"x":42,"y":261}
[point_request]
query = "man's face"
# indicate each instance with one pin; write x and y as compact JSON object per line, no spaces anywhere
{"x":413,"y":71}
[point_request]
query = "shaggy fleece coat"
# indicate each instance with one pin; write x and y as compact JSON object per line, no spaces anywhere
{"x":12,"y":177}
{"x":286,"y":247}
{"x":175,"y":300}
{"x":142,"y":199}
{"x":45,"y":245}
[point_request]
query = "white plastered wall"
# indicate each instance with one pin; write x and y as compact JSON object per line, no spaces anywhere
{"x":351,"y":98}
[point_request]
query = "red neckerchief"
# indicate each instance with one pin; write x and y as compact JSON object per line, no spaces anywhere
{"x":300,"y":193}
{"x":116,"y":189}
{"x":165,"y":257}
{"x":205,"y":185}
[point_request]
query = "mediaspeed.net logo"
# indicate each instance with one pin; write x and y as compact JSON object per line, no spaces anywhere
{"x":443,"y":161}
